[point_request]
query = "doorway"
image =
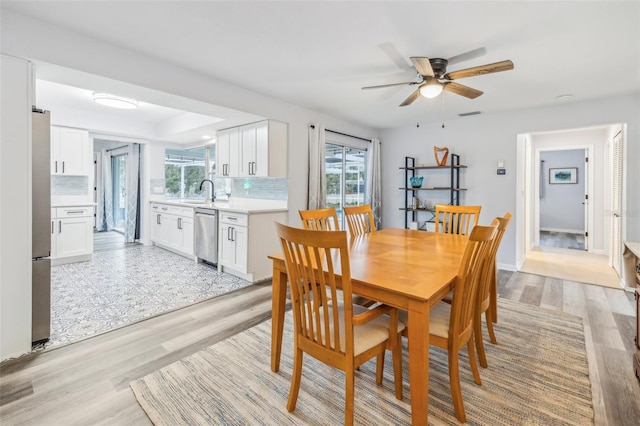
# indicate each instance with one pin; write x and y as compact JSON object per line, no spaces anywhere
{"x":119,"y":191}
{"x":592,"y":264}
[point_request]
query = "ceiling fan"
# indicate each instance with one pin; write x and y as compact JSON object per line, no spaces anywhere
{"x":433,"y":77}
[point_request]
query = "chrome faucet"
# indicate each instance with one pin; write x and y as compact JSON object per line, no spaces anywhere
{"x":213,"y":188}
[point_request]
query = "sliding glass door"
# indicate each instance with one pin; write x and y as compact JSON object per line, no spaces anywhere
{"x":345,"y":177}
{"x":119,"y":174}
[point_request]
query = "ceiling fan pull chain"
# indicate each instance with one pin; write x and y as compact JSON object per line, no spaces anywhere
{"x":443,"y":110}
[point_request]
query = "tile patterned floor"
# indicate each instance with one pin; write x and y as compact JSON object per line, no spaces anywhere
{"x":120,"y":287}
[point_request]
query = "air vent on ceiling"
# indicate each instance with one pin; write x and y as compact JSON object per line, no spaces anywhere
{"x":466,"y":114}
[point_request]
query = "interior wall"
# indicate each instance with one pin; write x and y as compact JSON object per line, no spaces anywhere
{"x":561,"y":205}
{"x":15,"y":207}
{"x":482,"y":140}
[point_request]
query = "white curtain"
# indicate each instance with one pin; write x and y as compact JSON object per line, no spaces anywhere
{"x":104,"y":217}
{"x":132,"y":216}
{"x":317,"y":186}
{"x":373,"y":189}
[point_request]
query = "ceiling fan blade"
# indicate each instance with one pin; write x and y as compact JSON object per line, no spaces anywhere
{"x":423,"y":66}
{"x":472,"y":54}
{"x":481,"y":70}
{"x":461,"y":90}
{"x":412,"y":97}
{"x":389,"y":85}
{"x":390,"y":50}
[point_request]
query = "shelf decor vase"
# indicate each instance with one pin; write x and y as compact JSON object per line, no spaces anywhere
{"x":416,"y":182}
{"x":443,"y":161}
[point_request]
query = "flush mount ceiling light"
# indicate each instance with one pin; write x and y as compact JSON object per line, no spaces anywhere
{"x":114,"y":101}
{"x":432,"y":89}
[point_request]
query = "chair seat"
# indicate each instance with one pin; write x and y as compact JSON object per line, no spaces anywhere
{"x":438,"y":319}
{"x":365,"y":336}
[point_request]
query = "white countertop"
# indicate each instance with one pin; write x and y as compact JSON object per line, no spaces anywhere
{"x":236,"y":205}
{"x":54,"y":205}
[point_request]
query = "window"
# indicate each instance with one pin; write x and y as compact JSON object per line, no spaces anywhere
{"x":345,"y":169}
{"x":183,"y":172}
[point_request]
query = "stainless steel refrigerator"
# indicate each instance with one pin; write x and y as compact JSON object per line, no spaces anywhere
{"x":41,"y":226}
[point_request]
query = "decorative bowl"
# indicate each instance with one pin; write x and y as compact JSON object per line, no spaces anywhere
{"x":416,"y":182}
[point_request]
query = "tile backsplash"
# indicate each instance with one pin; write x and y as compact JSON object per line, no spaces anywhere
{"x":70,"y":186}
{"x":263,"y":188}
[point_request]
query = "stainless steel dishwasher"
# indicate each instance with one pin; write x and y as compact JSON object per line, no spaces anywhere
{"x":206,"y":231}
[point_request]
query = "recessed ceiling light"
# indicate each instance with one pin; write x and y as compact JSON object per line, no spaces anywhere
{"x":114,"y":101}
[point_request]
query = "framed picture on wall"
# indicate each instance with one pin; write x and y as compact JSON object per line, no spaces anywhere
{"x":564,"y":175}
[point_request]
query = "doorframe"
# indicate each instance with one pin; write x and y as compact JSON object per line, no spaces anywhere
{"x":589,"y":187}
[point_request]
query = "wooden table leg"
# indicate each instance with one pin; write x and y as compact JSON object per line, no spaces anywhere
{"x":278,"y":302}
{"x":419,"y":365}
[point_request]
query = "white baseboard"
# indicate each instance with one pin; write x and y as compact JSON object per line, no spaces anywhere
{"x":507,"y":267}
{"x":566,"y":231}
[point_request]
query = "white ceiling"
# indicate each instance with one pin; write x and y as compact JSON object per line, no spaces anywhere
{"x":320,"y":54}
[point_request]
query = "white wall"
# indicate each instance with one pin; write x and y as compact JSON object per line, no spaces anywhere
{"x":561,"y":205}
{"x":481,"y":140}
{"x":15,"y":207}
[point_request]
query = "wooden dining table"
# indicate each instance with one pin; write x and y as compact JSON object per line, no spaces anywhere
{"x":408,"y":269}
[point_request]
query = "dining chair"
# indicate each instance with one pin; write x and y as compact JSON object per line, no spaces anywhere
{"x":327,"y":325}
{"x":456,"y":219}
{"x":451,"y":325}
{"x":320,"y":219}
{"x":486,"y":287}
{"x":360,"y":220}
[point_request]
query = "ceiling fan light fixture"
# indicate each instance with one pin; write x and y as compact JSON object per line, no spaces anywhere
{"x":432,"y":89}
{"x":114,"y":101}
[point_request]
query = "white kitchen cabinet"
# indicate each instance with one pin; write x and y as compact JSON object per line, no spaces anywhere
{"x":263,"y":151}
{"x":172,"y":228}
{"x":245,"y":241}
{"x":227,"y":152}
{"x":71,"y":234}
{"x":232,"y":245}
{"x":254,"y":150}
{"x":71,"y":151}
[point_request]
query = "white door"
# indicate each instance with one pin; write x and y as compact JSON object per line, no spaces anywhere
{"x":226,"y":246}
{"x":616,"y":204}
{"x":586,"y":200}
{"x":75,"y":236}
{"x":248,"y":150}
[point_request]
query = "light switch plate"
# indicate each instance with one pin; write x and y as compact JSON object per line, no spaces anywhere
{"x":502,"y":171}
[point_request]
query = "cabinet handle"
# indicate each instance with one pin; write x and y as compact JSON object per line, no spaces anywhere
{"x":229,"y":234}
{"x":233,"y":231}
{"x":59,"y":227}
{"x":158,"y":219}
{"x":179,"y":223}
{"x":56,"y":163}
{"x":75,"y":211}
{"x":52,"y":227}
{"x":63,"y":167}
{"x":254,"y":167}
{"x":164,"y":208}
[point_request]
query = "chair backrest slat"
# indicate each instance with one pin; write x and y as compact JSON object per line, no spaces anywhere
{"x":489,"y":268}
{"x":456,"y":219}
{"x":320,"y":219}
{"x":360,"y":220}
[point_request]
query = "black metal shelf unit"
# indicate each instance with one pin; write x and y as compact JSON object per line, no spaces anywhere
{"x":410,"y":169}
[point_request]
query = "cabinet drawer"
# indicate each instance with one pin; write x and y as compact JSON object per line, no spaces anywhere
{"x":83,"y":211}
{"x":234,"y":218}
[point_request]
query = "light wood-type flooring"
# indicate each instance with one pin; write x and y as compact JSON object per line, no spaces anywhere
{"x":87,"y":383}
{"x":109,"y":240}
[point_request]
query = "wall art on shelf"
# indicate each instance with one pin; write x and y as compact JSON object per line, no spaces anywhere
{"x":564,"y":175}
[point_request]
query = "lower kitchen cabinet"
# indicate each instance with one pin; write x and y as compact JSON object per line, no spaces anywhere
{"x":172,"y":228}
{"x":71,"y":234}
{"x":245,"y":241}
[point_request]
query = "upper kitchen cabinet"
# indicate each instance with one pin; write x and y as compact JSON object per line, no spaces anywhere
{"x":71,"y":151}
{"x":254,"y":150}
{"x":227,"y":151}
{"x":263,"y":150}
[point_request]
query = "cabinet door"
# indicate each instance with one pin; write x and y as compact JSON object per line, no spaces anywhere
{"x":227,"y":160}
{"x":156,"y":227}
{"x":75,"y":236}
{"x":184,"y":235}
{"x":241,"y":248}
{"x":247,"y":150}
{"x":226,"y":246}
{"x":54,"y":239}
{"x":73,"y":152}
{"x":261,"y":165}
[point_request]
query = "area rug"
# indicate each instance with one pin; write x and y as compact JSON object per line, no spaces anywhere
{"x":537,"y":375}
